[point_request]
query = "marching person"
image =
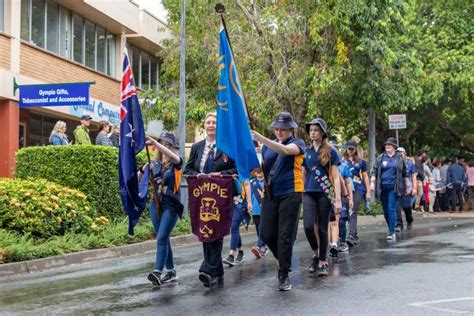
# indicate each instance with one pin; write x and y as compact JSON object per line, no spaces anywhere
{"x":206,"y":159}
{"x":322,"y":189}
{"x":164,"y":213}
{"x":257,"y":186}
{"x":389,"y":180}
{"x":282,"y":160}
{"x":360,"y":180}
{"x":405,"y":202}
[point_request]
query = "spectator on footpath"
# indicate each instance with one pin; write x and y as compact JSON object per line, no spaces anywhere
{"x":115,"y":135}
{"x":389,"y":180}
{"x":445,"y":192}
{"x":433,"y":187}
{"x":437,"y":180}
{"x":167,"y":174}
{"x":81,"y":133}
{"x":102,"y":138}
{"x":457,"y":177}
{"x":420,"y":178}
{"x":470,"y":183}
{"x":58,"y":135}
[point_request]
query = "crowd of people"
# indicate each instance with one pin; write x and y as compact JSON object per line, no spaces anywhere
{"x":331,"y":181}
{"x":108,"y":135}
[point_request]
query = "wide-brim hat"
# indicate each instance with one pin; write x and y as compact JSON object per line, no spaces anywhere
{"x":351,"y":144}
{"x":169,"y":138}
{"x":318,"y":121}
{"x":391,"y":141}
{"x":284,"y":120}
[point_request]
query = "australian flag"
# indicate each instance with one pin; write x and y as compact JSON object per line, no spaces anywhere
{"x":233,"y":131}
{"x":132,"y":141}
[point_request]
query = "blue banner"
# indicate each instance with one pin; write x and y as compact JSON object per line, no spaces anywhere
{"x":233,"y":130}
{"x":56,"y":94}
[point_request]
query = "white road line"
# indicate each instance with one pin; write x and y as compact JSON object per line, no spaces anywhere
{"x":440,"y":309}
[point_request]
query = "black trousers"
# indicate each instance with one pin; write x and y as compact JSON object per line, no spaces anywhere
{"x":316,"y":212}
{"x":279,"y":224}
{"x":212,"y":263}
{"x":406,"y":206}
{"x":444,"y":200}
{"x":456,"y":197}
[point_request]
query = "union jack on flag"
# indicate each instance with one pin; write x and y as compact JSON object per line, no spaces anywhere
{"x":132,"y":141}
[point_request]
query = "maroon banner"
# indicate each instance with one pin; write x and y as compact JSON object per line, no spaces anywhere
{"x":210,"y":206}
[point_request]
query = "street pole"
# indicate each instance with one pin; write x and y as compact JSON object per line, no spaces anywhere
{"x":182,"y":100}
{"x":371,"y":136}
{"x":396,"y":133}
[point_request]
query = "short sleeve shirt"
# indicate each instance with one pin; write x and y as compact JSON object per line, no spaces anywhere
{"x":388,"y":173}
{"x":357,"y":168}
{"x":317,"y":176}
{"x":287,"y":174}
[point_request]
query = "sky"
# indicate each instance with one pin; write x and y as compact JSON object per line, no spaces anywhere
{"x":155,"y":7}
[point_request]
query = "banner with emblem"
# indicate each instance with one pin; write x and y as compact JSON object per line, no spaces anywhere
{"x":210,"y":206}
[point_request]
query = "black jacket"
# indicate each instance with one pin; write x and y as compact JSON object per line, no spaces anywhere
{"x":222,"y":162}
{"x":402,"y":174}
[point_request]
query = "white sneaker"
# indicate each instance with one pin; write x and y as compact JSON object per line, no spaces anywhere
{"x":392,"y":237}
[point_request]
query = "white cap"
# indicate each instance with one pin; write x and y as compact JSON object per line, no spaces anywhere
{"x":401,"y":149}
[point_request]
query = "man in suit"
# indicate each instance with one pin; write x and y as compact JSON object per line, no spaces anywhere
{"x":206,"y":159}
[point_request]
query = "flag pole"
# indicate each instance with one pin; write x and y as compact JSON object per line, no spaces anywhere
{"x":220,"y":9}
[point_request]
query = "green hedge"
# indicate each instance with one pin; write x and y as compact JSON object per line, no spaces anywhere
{"x":43,"y":209}
{"x":90,"y":169}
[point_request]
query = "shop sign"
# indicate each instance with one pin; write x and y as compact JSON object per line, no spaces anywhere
{"x":57,"y":94}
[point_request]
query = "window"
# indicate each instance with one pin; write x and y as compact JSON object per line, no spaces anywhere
{"x":65,"y":33}
{"x":78,"y":38}
{"x":145,"y":84}
{"x":101,"y":49}
{"x":145,"y":69}
{"x":37,"y":23}
{"x":2,"y":13}
{"x":52,"y":26}
{"x":90,"y":44}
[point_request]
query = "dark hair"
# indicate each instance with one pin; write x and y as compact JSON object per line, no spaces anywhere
{"x":436,"y":163}
{"x":103,"y":124}
{"x":420,"y":152}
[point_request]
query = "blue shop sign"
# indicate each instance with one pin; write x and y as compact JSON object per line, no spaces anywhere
{"x":57,"y":94}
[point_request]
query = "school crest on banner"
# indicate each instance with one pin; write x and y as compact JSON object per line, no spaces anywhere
{"x":210,"y":206}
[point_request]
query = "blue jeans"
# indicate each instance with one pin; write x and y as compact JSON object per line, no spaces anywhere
{"x":235,"y":240}
{"x":389,"y":201}
{"x":163,"y":227}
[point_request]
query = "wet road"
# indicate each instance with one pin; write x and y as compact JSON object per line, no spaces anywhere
{"x":428,"y":271}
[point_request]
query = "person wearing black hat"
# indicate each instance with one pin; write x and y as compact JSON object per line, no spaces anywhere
{"x":81,"y":133}
{"x":360,"y":179}
{"x":205,"y":158}
{"x":322,"y":190}
{"x":166,"y":169}
{"x":282,"y":166}
{"x":389,"y":180}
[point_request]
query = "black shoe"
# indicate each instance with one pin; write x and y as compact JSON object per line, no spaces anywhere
{"x":409,"y":226}
{"x":220,"y":280}
{"x":206,"y":279}
{"x":398,"y":229}
{"x":284,"y":283}
{"x":240,"y":257}
{"x":323,"y":270}
{"x":155,"y":278}
{"x":351,"y":241}
{"x":169,"y":277}
{"x":333,"y":251}
{"x":229,"y":260}
{"x":314,"y":264}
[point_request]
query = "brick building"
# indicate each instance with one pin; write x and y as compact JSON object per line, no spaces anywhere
{"x":55,"y":41}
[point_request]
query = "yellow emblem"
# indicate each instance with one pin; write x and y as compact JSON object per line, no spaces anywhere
{"x":208,"y":210}
{"x":206,"y":231}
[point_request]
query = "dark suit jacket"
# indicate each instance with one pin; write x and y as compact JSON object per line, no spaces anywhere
{"x":222,"y":163}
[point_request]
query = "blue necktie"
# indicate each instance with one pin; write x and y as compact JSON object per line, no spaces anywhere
{"x":209,"y":165}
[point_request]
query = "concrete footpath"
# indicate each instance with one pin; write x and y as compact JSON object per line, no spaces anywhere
{"x":44,"y":264}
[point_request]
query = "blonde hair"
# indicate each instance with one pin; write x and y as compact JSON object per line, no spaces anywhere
{"x":159,"y":156}
{"x":57,"y":129}
{"x":212,"y":113}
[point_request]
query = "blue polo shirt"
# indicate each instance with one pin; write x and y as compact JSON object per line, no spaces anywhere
{"x":357,"y":168}
{"x":170,"y":178}
{"x":317,"y":176}
{"x":388,"y":174}
{"x":288,"y":173}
